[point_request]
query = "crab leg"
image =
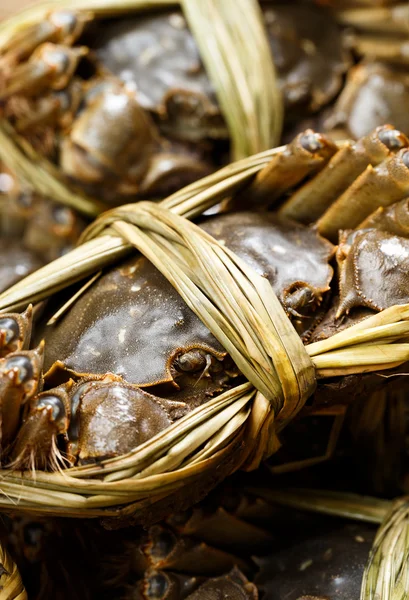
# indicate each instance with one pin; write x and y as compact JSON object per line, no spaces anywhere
{"x":166,"y":551}
{"x":393,"y":219}
{"x":49,"y":66}
{"x":221,"y":528}
{"x":379,"y":186}
{"x":338,"y":411}
{"x":306,"y":154}
{"x":20,"y":374}
{"x":388,"y":50}
{"x":57,"y":108}
{"x":309,"y":202}
{"x":60,"y":27}
{"x":36,"y":443}
{"x":393,"y":19}
{"x":15,"y":331}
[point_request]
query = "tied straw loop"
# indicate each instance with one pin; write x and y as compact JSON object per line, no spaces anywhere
{"x":236,"y":304}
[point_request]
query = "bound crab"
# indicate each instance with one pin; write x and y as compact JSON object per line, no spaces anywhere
{"x":99,"y":355}
{"x":92,"y":378}
{"x":62,"y":89}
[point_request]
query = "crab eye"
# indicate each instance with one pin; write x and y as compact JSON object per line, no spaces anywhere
{"x":191,"y":361}
{"x":58,"y":411}
{"x":21,"y":365}
{"x":392,"y":138}
{"x":10,"y":329}
{"x":157,"y":586}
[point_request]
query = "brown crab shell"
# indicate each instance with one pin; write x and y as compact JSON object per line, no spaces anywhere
{"x":156,"y":55}
{"x":133,"y":323}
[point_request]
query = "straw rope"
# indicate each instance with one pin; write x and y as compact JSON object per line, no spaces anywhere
{"x":11,"y":585}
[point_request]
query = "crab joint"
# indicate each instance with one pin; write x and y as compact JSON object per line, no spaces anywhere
{"x":15,"y":331}
{"x":20,"y":373}
{"x":380,"y":186}
{"x":50,"y":65}
{"x":305,"y":155}
{"x":312,"y":199}
{"x":37,"y":441}
{"x":59,"y":27}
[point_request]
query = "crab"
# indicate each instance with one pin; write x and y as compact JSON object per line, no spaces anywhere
{"x":97,"y":355}
{"x":376,"y":85}
{"x":376,"y":88}
{"x":34,"y":230}
{"x":62,"y":89}
{"x":86,"y":378}
{"x":165,"y":69}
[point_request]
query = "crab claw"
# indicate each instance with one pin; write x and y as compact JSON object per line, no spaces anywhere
{"x":59,"y":27}
{"x":15,"y":331}
{"x":48,"y":417}
{"x":20,"y":373}
{"x":50,"y":66}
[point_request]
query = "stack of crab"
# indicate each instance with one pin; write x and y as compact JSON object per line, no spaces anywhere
{"x":99,"y":113}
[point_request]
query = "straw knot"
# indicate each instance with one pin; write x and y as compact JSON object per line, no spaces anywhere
{"x":236,"y":304}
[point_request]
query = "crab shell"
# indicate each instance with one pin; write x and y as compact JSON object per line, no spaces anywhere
{"x":157,"y":57}
{"x":133,"y":323}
